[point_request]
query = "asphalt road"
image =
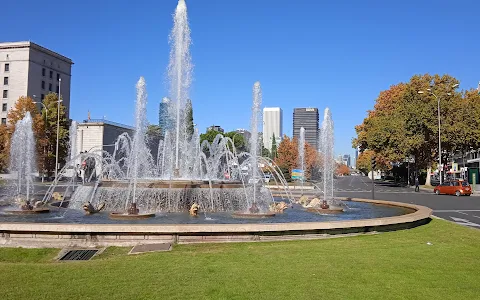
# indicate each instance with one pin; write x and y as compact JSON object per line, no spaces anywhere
{"x":462,"y":210}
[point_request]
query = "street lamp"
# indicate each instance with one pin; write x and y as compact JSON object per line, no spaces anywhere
{"x":439,"y":128}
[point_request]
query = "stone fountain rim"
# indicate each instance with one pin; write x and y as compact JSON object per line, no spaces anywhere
{"x":420,"y":213}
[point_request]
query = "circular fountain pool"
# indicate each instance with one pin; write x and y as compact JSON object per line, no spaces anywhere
{"x":353,"y":211}
{"x":68,"y":228}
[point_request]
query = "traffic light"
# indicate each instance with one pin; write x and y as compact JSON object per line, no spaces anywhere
{"x":374,"y":163}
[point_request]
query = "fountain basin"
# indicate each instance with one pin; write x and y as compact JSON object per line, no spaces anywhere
{"x":331,"y":210}
{"x":247,"y":215}
{"x":126,"y":216}
{"x":26,"y":233}
{"x":28,"y":211}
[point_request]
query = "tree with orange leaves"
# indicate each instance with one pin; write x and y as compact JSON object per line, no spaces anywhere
{"x":342,"y":169}
{"x":287,"y":157}
{"x":17,"y":113}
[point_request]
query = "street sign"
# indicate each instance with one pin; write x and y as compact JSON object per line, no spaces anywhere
{"x":297,"y":174}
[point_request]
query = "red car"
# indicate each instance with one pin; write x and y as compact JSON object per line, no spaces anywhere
{"x":454,"y":187}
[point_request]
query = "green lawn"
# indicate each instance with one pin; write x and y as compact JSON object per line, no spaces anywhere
{"x":395,"y":265}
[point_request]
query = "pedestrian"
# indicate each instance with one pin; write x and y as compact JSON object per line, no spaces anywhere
{"x":417,"y":184}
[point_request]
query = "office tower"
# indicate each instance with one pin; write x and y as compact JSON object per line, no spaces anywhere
{"x":308,"y":119}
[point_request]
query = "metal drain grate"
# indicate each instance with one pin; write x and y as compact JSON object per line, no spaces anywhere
{"x":78,"y":255}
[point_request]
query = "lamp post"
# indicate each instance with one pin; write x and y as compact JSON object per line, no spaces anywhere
{"x":439,"y":129}
{"x":46,"y":120}
{"x":58,"y":126}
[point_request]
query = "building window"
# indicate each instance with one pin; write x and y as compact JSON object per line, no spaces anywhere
{"x":43,"y":85}
{"x":7,"y":67}
{"x":50,"y":87}
{"x":5,"y":94}
{"x":58,"y":76}
{"x":58,"y":89}
{"x":51,"y":74}
{"x":4,"y":107}
{"x":5,"y":80}
{"x":43,"y":72}
{"x":4,"y":121}
{"x":42,"y":97}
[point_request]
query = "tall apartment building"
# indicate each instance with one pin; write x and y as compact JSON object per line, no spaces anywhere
{"x":28,"y":69}
{"x":347,"y":160}
{"x":308,"y":119}
{"x":272,"y":125}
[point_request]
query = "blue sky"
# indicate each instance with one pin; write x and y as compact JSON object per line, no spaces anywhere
{"x":339,"y":54}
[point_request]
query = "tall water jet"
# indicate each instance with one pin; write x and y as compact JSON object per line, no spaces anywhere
{"x":139,"y":158}
{"x":257,"y":102}
{"x":22,"y":159}
{"x":301,"y":153}
{"x":328,"y":155}
{"x":180,"y":70}
{"x":73,"y":140}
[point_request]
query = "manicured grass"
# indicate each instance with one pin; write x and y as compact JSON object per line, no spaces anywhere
{"x":395,"y":265}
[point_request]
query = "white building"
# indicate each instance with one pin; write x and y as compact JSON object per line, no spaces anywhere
{"x":95,"y":136}
{"x":27,"y":69}
{"x":272,"y":124}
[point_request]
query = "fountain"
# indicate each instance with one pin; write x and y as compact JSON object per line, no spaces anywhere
{"x":140,"y":155}
{"x":184,"y":181}
{"x":258,"y":203}
{"x":22,"y":161}
{"x":329,"y":204}
{"x":184,"y":170}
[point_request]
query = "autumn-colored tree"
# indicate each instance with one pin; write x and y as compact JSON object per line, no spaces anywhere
{"x":364,"y":162}
{"x":4,"y":141}
{"x":50,"y":115}
{"x":404,"y":123}
{"x":312,"y":160}
{"x":287,"y":156}
{"x":342,"y":169}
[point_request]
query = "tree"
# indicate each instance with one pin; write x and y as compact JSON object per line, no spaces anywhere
{"x":342,"y":170}
{"x":404,"y":123}
{"x":364,"y":162}
{"x":154,"y":135}
{"x":312,"y":160}
{"x":17,"y":113}
{"x":287,"y":154}
{"x":189,"y":119}
{"x":4,"y":155}
{"x":209,"y":135}
{"x":274,"y":147}
{"x":50,"y":115}
{"x":237,"y":139}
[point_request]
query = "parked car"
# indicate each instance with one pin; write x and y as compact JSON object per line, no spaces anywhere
{"x":453,"y":187}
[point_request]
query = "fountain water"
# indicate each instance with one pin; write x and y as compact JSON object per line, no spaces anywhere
{"x":301,"y":153}
{"x":328,"y":156}
{"x":180,"y":70}
{"x":22,"y":161}
{"x":184,"y":171}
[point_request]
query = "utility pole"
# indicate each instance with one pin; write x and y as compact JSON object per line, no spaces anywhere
{"x":373,"y":164}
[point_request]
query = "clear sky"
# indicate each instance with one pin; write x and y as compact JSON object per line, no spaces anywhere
{"x":339,"y":54}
